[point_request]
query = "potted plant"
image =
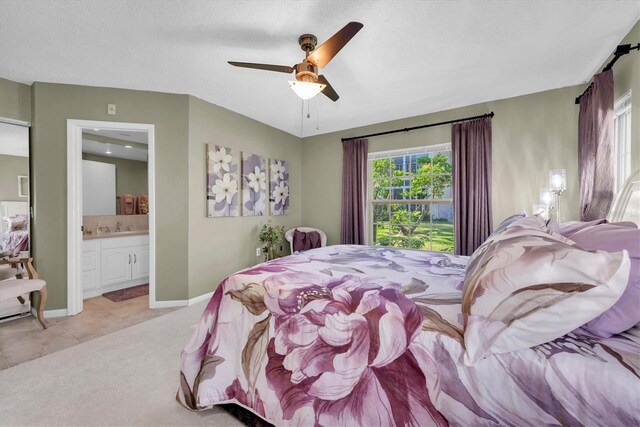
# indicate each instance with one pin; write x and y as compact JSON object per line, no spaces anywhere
{"x":271,"y":238}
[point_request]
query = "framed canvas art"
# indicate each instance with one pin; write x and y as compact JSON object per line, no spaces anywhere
{"x":279,"y":187}
{"x":223,"y":167}
{"x":254,"y":185}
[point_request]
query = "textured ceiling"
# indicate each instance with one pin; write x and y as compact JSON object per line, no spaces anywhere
{"x":411,"y":57}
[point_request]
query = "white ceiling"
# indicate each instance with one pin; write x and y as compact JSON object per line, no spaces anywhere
{"x":118,"y":151}
{"x":411,"y":57}
{"x":128,"y":135}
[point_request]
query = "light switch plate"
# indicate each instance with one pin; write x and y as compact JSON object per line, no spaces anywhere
{"x":111,"y":109}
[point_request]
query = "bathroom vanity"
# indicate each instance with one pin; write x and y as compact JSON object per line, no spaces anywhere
{"x":114,"y":261}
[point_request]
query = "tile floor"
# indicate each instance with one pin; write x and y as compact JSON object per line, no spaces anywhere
{"x":24,"y":339}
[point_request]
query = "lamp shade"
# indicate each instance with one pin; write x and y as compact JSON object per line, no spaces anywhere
{"x":557,"y":180}
{"x":306,"y":90}
{"x":546,"y":197}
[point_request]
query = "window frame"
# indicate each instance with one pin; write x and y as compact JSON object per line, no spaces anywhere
{"x":622,"y":155}
{"x":390,"y":154}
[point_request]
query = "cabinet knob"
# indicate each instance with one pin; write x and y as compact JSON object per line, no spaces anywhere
{"x":129,"y":258}
{"x":135,"y":258}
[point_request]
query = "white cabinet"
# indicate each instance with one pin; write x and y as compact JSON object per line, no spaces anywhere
{"x":90,"y":262}
{"x":114,"y":263}
{"x":116,"y":266}
{"x":140,"y":265}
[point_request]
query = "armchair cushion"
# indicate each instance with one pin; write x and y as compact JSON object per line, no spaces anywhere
{"x":14,"y":288}
{"x":7,"y":273}
{"x":304,"y":241}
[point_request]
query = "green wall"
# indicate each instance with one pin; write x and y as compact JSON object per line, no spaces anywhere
{"x":531,"y":135}
{"x":53,"y":104}
{"x":15,"y":100}
{"x":10,"y":168}
{"x":131,"y":175}
{"x":220,"y":246}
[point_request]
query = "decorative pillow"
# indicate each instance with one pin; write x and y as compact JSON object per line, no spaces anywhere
{"x":615,"y":237}
{"x":567,"y":229}
{"x":16,"y":222}
{"x":508,"y":221}
{"x":526,"y":286}
{"x":304,"y":241}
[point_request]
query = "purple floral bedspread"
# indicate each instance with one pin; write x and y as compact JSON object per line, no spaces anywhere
{"x":370,"y":336}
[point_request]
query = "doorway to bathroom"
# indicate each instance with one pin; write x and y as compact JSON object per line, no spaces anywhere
{"x":111,"y":215}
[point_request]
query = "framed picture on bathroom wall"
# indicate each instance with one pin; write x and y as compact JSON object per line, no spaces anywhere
{"x":254,"y":185}
{"x":223,"y":172}
{"x":279,"y":187}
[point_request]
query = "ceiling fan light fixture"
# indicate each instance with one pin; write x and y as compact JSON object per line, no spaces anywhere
{"x":306,"y":90}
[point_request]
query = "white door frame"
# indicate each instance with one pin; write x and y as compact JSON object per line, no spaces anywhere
{"x":74,"y":207}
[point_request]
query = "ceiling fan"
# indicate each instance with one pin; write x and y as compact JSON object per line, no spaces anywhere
{"x":308,"y":82}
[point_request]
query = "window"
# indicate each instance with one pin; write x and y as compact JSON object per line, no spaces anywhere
{"x":411,"y":200}
{"x":622,"y":140}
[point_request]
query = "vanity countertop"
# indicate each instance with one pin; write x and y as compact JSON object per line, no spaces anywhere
{"x":115,"y":234}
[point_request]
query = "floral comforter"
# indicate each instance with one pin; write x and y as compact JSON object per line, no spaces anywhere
{"x":370,"y":336}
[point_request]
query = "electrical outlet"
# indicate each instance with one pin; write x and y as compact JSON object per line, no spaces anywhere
{"x":111,"y":109}
{"x":258,"y":251}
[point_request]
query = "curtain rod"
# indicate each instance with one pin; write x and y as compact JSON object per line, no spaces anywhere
{"x":621,"y":50}
{"x":491,"y":114}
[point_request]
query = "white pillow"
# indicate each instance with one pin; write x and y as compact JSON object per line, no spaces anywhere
{"x":526,"y":286}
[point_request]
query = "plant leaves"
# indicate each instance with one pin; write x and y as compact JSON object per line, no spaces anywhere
{"x":254,"y":351}
{"x":252,"y":297}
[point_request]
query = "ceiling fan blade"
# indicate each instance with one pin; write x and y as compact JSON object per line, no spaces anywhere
{"x":328,"y":91}
{"x":268,"y":67}
{"x":325,"y":53}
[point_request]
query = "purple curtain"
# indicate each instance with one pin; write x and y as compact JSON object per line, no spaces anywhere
{"x":471,"y":147}
{"x":595,"y":148}
{"x":354,"y":191}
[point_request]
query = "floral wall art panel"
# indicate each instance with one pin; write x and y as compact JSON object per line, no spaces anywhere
{"x":254,"y":185}
{"x":223,"y":171}
{"x":279,"y":187}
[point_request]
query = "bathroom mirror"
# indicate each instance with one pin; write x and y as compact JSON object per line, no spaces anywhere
{"x":115,"y":172}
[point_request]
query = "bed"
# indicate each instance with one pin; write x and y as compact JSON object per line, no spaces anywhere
{"x":352,"y":335}
{"x":371,"y":336}
{"x":14,"y":227}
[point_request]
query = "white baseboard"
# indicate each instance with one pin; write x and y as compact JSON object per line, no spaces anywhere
{"x":51,"y":313}
{"x":182,"y":302}
{"x":200,"y":298}
{"x":168,"y":304}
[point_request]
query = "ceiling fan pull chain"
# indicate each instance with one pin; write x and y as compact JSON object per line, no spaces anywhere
{"x":302,"y":117}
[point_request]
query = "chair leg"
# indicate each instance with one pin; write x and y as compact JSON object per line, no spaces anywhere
{"x":41,"y":303}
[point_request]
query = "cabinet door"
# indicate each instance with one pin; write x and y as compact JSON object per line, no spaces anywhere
{"x":116,"y":265}
{"x":140,"y":264}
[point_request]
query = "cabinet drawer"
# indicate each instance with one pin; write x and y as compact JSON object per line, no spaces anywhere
{"x":89,"y":280}
{"x":89,"y":260}
{"x":124,"y":241}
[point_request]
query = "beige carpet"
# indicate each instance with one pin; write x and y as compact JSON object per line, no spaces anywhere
{"x":128,"y":378}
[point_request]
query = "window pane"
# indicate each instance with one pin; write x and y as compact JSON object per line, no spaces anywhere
{"x":442,"y":227}
{"x":380,"y":212}
{"x":381,"y":233}
{"x":442,"y":187}
{"x":420,"y":177}
{"x":381,"y":173}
